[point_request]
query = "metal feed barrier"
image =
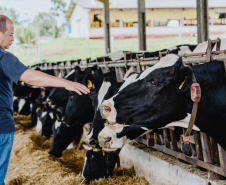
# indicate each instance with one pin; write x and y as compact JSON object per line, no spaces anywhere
{"x":205,"y":152}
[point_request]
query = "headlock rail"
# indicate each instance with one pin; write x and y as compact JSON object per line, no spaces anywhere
{"x":205,"y":152}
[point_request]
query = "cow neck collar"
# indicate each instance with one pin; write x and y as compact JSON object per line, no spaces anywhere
{"x":195,"y":91}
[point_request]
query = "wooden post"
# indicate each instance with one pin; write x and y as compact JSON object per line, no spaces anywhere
{"x":198,"y":145}
{"x":206,"y":148}
{"x":173,"y":143}
{"x":202,"y":20}
{"x":166,"y":138}
{"x":141,"y":24}
{"x":222,"y":157}
{"x":106,"y":25}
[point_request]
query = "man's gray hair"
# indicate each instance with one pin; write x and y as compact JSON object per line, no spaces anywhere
{"x":3,"y":20}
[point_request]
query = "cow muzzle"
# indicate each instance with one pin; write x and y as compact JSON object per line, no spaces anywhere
{"x":105,"y":142}
{"x":105,"y":111}
{"x":108,"y":111}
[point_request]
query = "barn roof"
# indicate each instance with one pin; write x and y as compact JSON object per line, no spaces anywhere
{"x":149,"y":4}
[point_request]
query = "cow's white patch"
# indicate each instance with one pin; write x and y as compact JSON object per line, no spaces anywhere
{"x":112,"y":114}
{"x":115,"y":142}
{"x":71,"y":146}
{"x":84,"y":167}
{"x":131,"y":70}
{"x":102,"y":92}
{"x":48,"y":101}
{"x":144,"y":128}
{"x":21,"y":104}
{"x":201,"y":48}
{"x":128,"y":81}
{"x":44,"y":114}
{"x":90,"y":135}
{"x":70,"y":73}
{"x":35,"y":87}
{"x":86,"y":129}
{"x":183,"y":50}
{"x":182,"y":123}
{"x":57,"y":124}
{"x":51,"y":115}
{"x":39,"y":126}
{"x":168,"y":60}
{"x":60,"y":75}
{"x":87,"y":147}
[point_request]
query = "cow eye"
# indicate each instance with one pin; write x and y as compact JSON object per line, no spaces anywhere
{"x":152,"y":83}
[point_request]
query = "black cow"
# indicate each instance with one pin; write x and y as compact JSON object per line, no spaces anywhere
{"x":63,"y":135}
{"x":58,"y":97}
{"x":161,"y":95}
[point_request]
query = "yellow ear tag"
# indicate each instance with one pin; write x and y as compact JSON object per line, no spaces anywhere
{"x":181,"y":85}
{"x":103,"y":152}
{"x":40,"y":107}
{"x":89,"y":85}
{"x":92,"y":72}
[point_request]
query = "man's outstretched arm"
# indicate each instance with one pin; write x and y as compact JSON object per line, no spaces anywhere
{"x":38,"y":78}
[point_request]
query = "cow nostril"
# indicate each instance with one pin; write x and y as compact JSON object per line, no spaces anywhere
{"x":104,"y":111}
{"x":107,"y":140}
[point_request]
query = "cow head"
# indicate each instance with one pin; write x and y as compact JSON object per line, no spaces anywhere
{"x":156,"y":97}
{"x":79,"y":107}
{"x":98,"y":164}
{"x":63,"y":136}
{"x":107,"y":89}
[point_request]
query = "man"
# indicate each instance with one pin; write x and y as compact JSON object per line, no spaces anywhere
{"x":12,"y":70}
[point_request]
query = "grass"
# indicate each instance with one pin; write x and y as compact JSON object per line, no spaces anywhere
{"x":78,"y":48}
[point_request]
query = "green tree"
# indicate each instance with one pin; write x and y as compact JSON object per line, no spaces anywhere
{"x":11,"y":13}
{"x":46,"y":25}
{"x":59,"y":7}
{"x":24,"y":34}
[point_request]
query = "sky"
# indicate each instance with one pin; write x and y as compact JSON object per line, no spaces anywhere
{"x":28,"y":9}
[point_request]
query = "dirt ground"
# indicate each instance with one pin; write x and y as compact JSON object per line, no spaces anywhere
{"x":31,"y":164}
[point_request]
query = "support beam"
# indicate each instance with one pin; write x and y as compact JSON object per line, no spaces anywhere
{"x":141,"y":24}
{"x":106,"y":25}
{"x":202,"y":20}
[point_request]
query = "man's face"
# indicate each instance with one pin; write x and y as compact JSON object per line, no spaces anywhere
{"x":7,"y":38}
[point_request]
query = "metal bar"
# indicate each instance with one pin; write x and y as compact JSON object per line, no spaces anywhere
{"x":141,"y":24}
{"x":202,"y":20}
{"x":107,"y":26}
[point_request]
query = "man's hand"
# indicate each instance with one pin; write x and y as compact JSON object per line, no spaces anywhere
{"x":41,"y":79}
{"x":77,"y":87}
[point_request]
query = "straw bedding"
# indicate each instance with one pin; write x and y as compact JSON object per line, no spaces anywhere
{"x":31,"y":164}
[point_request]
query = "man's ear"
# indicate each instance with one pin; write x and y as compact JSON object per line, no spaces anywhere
{"x":183,"y":79}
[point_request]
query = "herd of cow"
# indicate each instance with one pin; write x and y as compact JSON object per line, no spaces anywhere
{"x":121,"y":111}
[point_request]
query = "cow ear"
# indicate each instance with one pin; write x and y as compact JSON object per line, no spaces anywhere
{"x":89,"y":82}
{"x":183,"y":78}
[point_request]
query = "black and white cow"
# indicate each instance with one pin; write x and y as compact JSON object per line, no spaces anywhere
{"x":98,"y":164}
{"x":154,"y":99}
{"x":78,"y":111}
